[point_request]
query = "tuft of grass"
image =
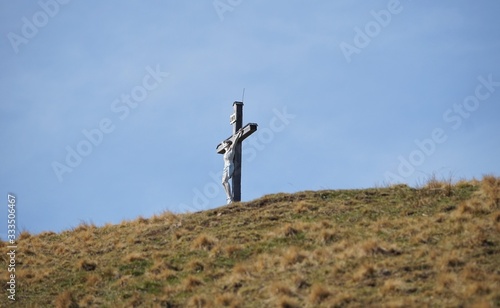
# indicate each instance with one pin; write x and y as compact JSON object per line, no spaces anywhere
{"x":326,"y":237}
{"x":24,"y":235}
{"x":232,"y":250}
{"x":490,"y":187}
{"x":318,"y":294}
{"x":199,"y":301}
{"x":89,"y":300}
{"x":287,"y":302}
{"x":293,"y":255}
{"x":190,"y":283}
{"x":204,"y":242}
{"x":87,"y":265}
{"x":65,"y":300}
{"x":195,"y":266}
{"x":280,"y":289}
{"x":397,"y":286}
{"x":365,"y":271}
{"x":134,"y":256}
{"x":290,"y":231}
{"x":303,"y":207}
{"x":227,"y":300}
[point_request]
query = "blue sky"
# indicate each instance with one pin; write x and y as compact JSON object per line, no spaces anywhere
{"x":347,"y":94}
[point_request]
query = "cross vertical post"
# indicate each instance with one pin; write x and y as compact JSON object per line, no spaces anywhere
{"x":237,"y":125}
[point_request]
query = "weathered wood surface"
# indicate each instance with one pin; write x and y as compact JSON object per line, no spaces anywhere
{"x":248,"y":129}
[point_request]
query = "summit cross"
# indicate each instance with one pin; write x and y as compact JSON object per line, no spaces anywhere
{"x":232,"y":159}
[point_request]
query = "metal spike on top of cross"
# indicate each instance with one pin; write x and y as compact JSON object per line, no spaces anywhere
{"x":232,"y":165}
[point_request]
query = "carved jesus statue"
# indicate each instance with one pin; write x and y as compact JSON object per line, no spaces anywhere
{"x":229,"y":165}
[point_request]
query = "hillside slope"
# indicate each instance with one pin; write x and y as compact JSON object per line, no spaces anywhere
{"x":397,"y":246}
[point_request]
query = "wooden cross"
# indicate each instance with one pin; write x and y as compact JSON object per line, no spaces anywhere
{"x":236,"y":120}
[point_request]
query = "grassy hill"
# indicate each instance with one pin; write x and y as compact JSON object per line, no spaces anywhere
{"x":436,"y":246}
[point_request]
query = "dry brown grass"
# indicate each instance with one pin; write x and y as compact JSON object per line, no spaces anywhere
{"x":87,"y":265}
{"x":205,"y":242}
{"x":191,"y":282}
{"x":292,"y":256}
{"x":436,"y":246}
{"x":228,"y":300}
{"x":490,"y":187}
{"x":199,"y":301}
{"x":89,"y":301}
{"x":65,"y":300}
{"x":133,"y":256}
{"x":318,"y":294}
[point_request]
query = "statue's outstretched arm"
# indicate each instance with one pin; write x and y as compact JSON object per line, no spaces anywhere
{"x":238,"y":135}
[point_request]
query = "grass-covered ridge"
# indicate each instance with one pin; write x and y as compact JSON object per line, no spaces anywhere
{"x":438,"y":245}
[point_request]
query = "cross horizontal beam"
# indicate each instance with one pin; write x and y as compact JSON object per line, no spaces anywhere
{"x":248,"y":129}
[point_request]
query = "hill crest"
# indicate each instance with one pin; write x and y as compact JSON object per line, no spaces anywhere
{"x":438,"y":245}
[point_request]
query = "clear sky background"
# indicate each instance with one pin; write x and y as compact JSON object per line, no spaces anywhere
{"x":347,"y":94}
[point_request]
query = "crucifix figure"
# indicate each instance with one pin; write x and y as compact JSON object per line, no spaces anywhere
{"x":228,"y":171}
{"x":231,"y":148}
